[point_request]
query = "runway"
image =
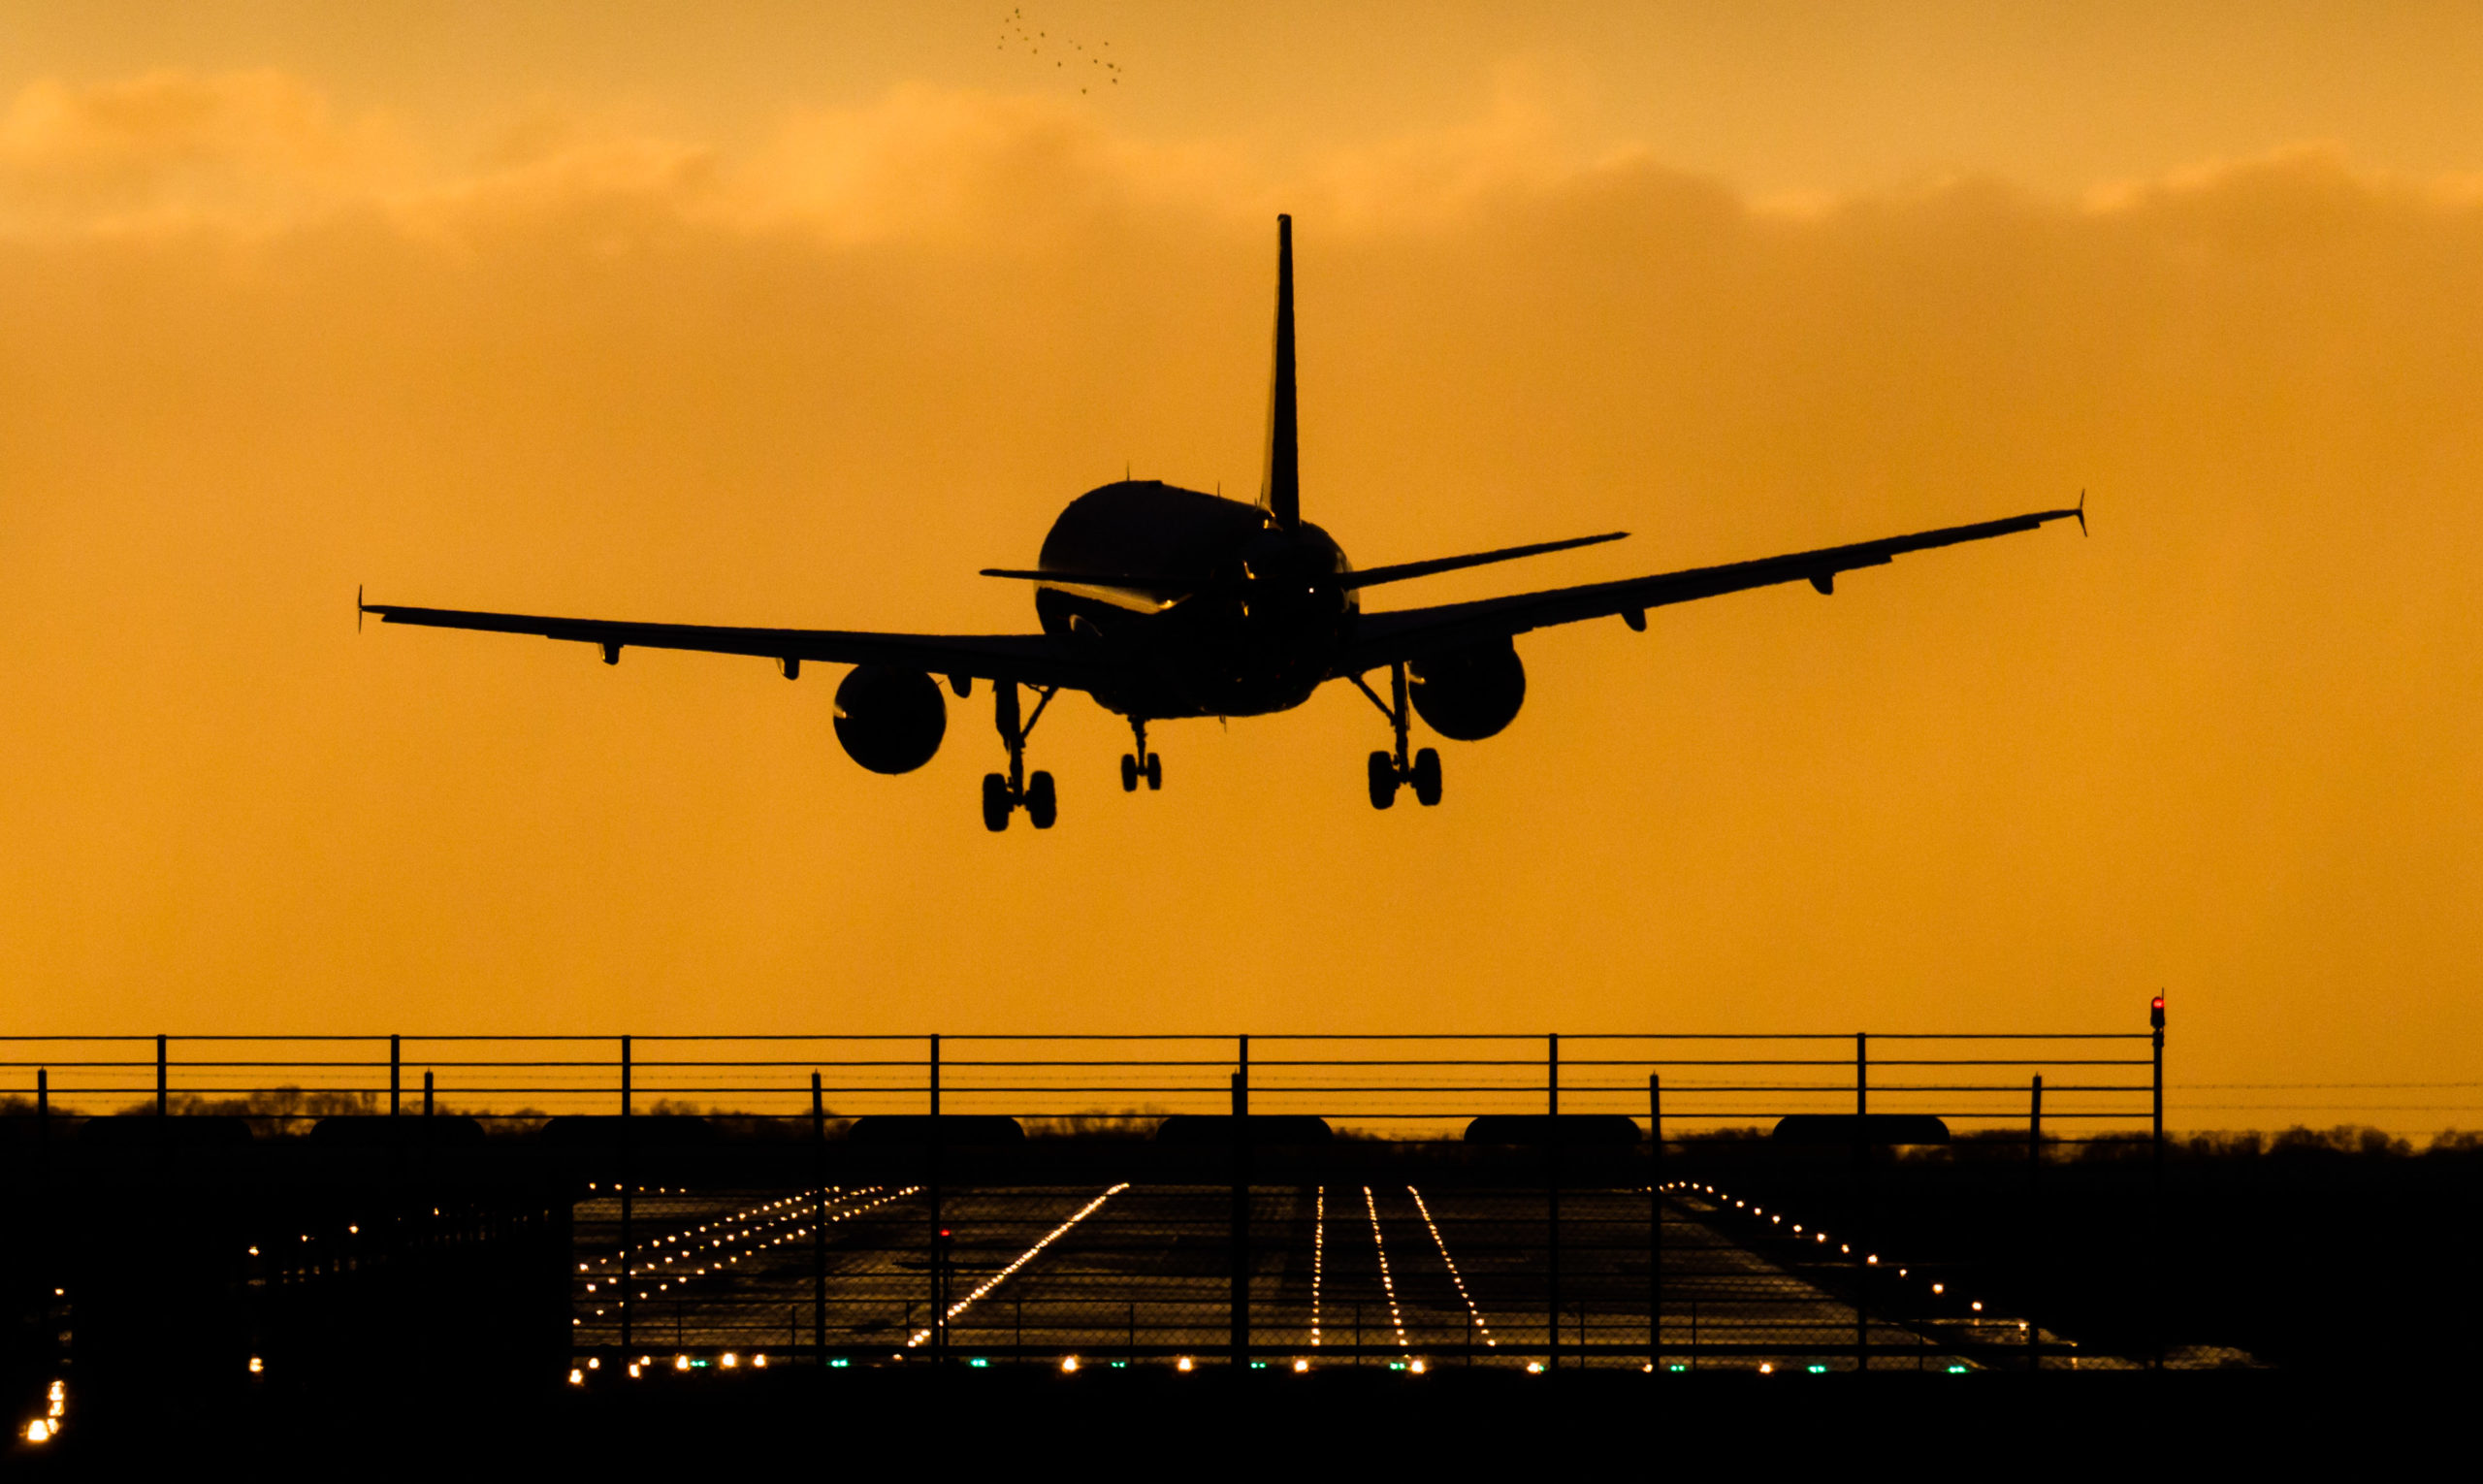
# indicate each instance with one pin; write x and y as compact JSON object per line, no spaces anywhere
{"x":1118,"y":1274}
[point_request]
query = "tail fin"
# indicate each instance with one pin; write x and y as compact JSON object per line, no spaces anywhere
{"x":1281,"y":496}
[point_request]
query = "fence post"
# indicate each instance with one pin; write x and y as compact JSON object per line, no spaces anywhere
{"x":163,"y":1076}
{"x":2035,"y":1225}
{"x":1239,"y":1303}
{"x":42,"y":1115}
{"x":395,"y":1072}
{"x":629,"y":1193}
{"x":939,"y":1315}
{"x":1552,"y":1204}
{"x":426,"y":1094}
{"x":1655,"y":1223}
{"x":2155,"y":1020}
{"x":818,"y":1219}
{"x":1861,"y":1202}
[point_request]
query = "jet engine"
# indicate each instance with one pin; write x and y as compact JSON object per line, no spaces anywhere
{"x":890,"y":721}
{"x":1469,"y":693}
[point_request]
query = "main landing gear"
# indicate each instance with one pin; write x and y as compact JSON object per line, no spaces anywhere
{"x":1141,"y":764}
{"x":1390,"y":771}
{"x":1003,"y":794}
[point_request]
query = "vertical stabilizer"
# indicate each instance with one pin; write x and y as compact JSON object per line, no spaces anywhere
{"x":1280,"y":495}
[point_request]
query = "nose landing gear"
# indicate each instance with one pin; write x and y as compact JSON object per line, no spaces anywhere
{"x":1003,"y":794}
{"x":1390,"y":771}
{"x":1141,"y":764}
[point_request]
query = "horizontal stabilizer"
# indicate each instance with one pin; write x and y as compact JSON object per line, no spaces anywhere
{"x":1155,"y":587}
{"x":1405,"y":569}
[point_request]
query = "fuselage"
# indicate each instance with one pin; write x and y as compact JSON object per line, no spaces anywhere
{"x":1229,"y":613}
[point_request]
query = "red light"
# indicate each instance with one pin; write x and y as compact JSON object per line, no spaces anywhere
{"x":2159,"y":1002}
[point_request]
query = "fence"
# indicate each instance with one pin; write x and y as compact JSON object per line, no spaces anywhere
{"x":1285,"y":1202}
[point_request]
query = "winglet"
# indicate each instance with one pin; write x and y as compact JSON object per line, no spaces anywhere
{"x":2081,"y":513}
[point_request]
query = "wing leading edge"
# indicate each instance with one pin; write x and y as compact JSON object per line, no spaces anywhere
{"x":1035,"y":660}
{"x":1383,"y":639}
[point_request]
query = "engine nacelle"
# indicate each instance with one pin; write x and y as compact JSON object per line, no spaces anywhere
{"x":890,"y":721}
{"x":1469,"y":693}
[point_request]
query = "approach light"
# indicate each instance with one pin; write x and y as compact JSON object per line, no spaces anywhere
{"x":595,"y":1363}
{"x":1766,"y":1367}
{"x":731,"y":1360}
{"x":1978,"y":1306}
{"x":1183,"y":1364}
{"x":577,"y":1377}
{"x":1300,"y":1366}
{"x":39,"y":1431}
{"x":1939,"y":1288}
{"x":1418,"y":1367}
{"x":1069,"y":1364}
{"x":257,"y":1365}
{"x":681,"y":1363}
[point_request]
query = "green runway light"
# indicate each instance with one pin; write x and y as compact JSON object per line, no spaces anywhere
{"x":1956,"y":1371}
{"x":1258,"y":1365}
{"x":1120,"y":1365}
{"x":979,"y":1363}
{"x":1677,"y":1367}
{"x":1818,"y":1370}
{"x":839,"y":1364}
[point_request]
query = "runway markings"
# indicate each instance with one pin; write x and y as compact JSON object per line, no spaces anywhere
{"x":1023,"y":1258}
{"x":1454,"y":1277}
{"x":1387,"y":1282}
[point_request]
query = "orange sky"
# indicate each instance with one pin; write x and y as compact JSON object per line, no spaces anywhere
{"x":800,"y":316}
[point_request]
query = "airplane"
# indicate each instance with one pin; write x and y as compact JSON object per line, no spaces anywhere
{"x":1163,"y":603}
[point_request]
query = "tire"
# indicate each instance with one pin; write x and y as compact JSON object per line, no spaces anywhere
{"x":1042,"y":805}
{"x":1426,"y":778}
{"x":1383,"y":780}
{"x":1154,"y":771}
{"x":996,"y":802}
{"x":1129,"y":774}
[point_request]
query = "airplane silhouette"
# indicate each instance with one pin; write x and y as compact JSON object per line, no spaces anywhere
{"x":1162,"y":603}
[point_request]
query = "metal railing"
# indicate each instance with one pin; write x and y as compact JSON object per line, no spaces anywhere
{"x":1087,"y":1235}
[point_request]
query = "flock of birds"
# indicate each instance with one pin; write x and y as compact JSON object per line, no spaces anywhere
{"x":1016,"y":30}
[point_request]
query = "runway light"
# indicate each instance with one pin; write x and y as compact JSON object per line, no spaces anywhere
{"x":1300,"y":1366}
{"x":1956,"y":1371}
{"x":353,"y":1231}
{"x":1873,"y":1259}
{"x":731,"y":1360}
{"x":1939,"y":1288}
{"x":681,"y":1363}
{"x":1819,"y":1369}
{"x":1978,"y":1306}
{"x":1766,"y":1367}
{"x":634,"y":1371}
{"x":257,"y":1365}
{"x":1533,"y":1368}
{"x":1069,"y":1364}
{"x":1183,"y":1364}
{"x":1419,"y":1368}
{"x":39,"y":1431}
{"x":759,"y":1362}
{"x":595,"y":1363}
{"x":577,"y":1377}
{"x":253,"y":1252}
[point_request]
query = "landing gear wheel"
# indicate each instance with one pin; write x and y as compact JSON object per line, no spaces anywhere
{"x":1129,"y":774}
{"x":1383,"y":780}
{"x":996,"y":802}
{"x":1040,"y":804}
{"x":1426,"y":779}
{"x":1154,"y":771}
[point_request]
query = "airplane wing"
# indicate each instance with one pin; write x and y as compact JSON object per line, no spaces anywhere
{"x":1035,"y":660}
{"x":1383,"y":639}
